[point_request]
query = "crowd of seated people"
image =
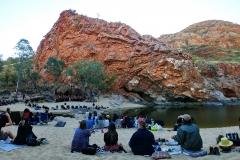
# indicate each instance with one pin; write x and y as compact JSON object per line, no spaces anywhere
{"x":141,"y":142}
{"x":63,"y":98}
{"x":127,"y":122}
{"x":66,"y":107}
{"x":95,"y":120}
{"x":8,"y":101}
{"x":34,"y":105}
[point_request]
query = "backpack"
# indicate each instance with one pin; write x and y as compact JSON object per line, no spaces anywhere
{"x":32,"y":141}
{"x":90,"y":149}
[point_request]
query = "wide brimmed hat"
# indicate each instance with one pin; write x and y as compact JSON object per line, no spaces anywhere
{"x":225,"y":142}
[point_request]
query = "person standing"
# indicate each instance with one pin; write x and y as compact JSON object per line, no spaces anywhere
{"x":142,"y":140}
{"x":188,"y":135}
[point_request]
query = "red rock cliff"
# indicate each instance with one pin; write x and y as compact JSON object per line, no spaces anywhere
{"x":212,"y":42}
{"x":143,"y":65}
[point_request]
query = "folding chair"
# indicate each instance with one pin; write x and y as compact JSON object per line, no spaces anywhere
{"x":43,"y":118}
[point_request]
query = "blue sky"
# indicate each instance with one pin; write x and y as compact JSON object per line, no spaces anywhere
{"x":32,"y":19}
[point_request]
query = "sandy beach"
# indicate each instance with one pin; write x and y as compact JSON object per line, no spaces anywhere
{"x":60,"y":139}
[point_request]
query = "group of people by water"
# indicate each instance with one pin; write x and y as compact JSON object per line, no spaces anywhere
{"x":142,"y":141}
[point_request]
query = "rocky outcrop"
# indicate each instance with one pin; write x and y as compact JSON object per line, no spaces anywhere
{"x":212,"y":39}
{"x":224,"y":76}
{"x":146,"y":67}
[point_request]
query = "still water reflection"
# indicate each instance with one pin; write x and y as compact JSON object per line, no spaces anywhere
{"x":206,"y":117}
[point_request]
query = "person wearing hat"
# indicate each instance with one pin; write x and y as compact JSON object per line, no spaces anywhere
{"x":225,"y":145}
{"x":188,"y":135}
{"x":24,"y":130}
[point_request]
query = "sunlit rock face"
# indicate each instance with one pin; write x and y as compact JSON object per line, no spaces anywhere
{"x":147,"y":69}
{"x":213,"y":35}
{"x":208,"y":39}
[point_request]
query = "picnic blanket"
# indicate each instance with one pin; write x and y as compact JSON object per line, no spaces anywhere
{"x":8,"y":147}
{"x":60,"y":124}
{"x":173,"y":150}
{"x":171,"y":143}
{"x":199,"y":153}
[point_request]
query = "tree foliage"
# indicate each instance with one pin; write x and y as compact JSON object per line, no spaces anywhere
{"x":11,"y":60}
{"x":30,"y":70}
{"x":1,"y":63}
{"x":90,"y":73}
{"x":54,"y":67}
{"x":23,"y":52}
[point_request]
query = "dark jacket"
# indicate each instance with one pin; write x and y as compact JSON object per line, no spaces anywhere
{"x":188,"y":137}
{"x":115,"y":117}
{"x":108,"y":141}
{"x":141,"y":142}
{"x":23,"y":132}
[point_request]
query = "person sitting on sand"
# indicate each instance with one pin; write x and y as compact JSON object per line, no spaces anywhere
{"x":115,"y":117}
{"x":90,"y":122}
{"x":178,"y":123}
{"x":142,"y":140}
{"x":81,"y":137}
{"x":27,"y":114}
{"x":100,"y":123}
{"x":24,"y":130}
{"x":131,"y":123}
{"x":106,"y":121}
{"x":111,"y":138}
{"x":125,"y":121}
{"x":188,"y":135}
{"x":50,"y":115}
{"x":8,"y":111}
{"x":36,"y":117}
{"x":148,"y":120}
{"x":140,"y":118}
{"x":5,"y":135}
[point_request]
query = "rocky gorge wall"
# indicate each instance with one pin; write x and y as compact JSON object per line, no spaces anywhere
{"x":213,"y":40}
{"x":147,"y":69}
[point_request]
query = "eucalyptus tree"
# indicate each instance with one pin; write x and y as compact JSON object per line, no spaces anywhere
{"x":90,"y":73}
{"x":1,"y":63}
{"x":23,"y":52}
{"x":54,"y":67}
{"x":31,"y":72}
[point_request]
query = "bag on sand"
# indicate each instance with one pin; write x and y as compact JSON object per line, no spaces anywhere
{"x":90,"y":149}
{"x":32,"y":140}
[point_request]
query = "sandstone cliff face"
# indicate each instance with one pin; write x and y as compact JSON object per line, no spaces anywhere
{"x":145,"y":67}
{"x":214,"y":41}
{"x":213,"y":32}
